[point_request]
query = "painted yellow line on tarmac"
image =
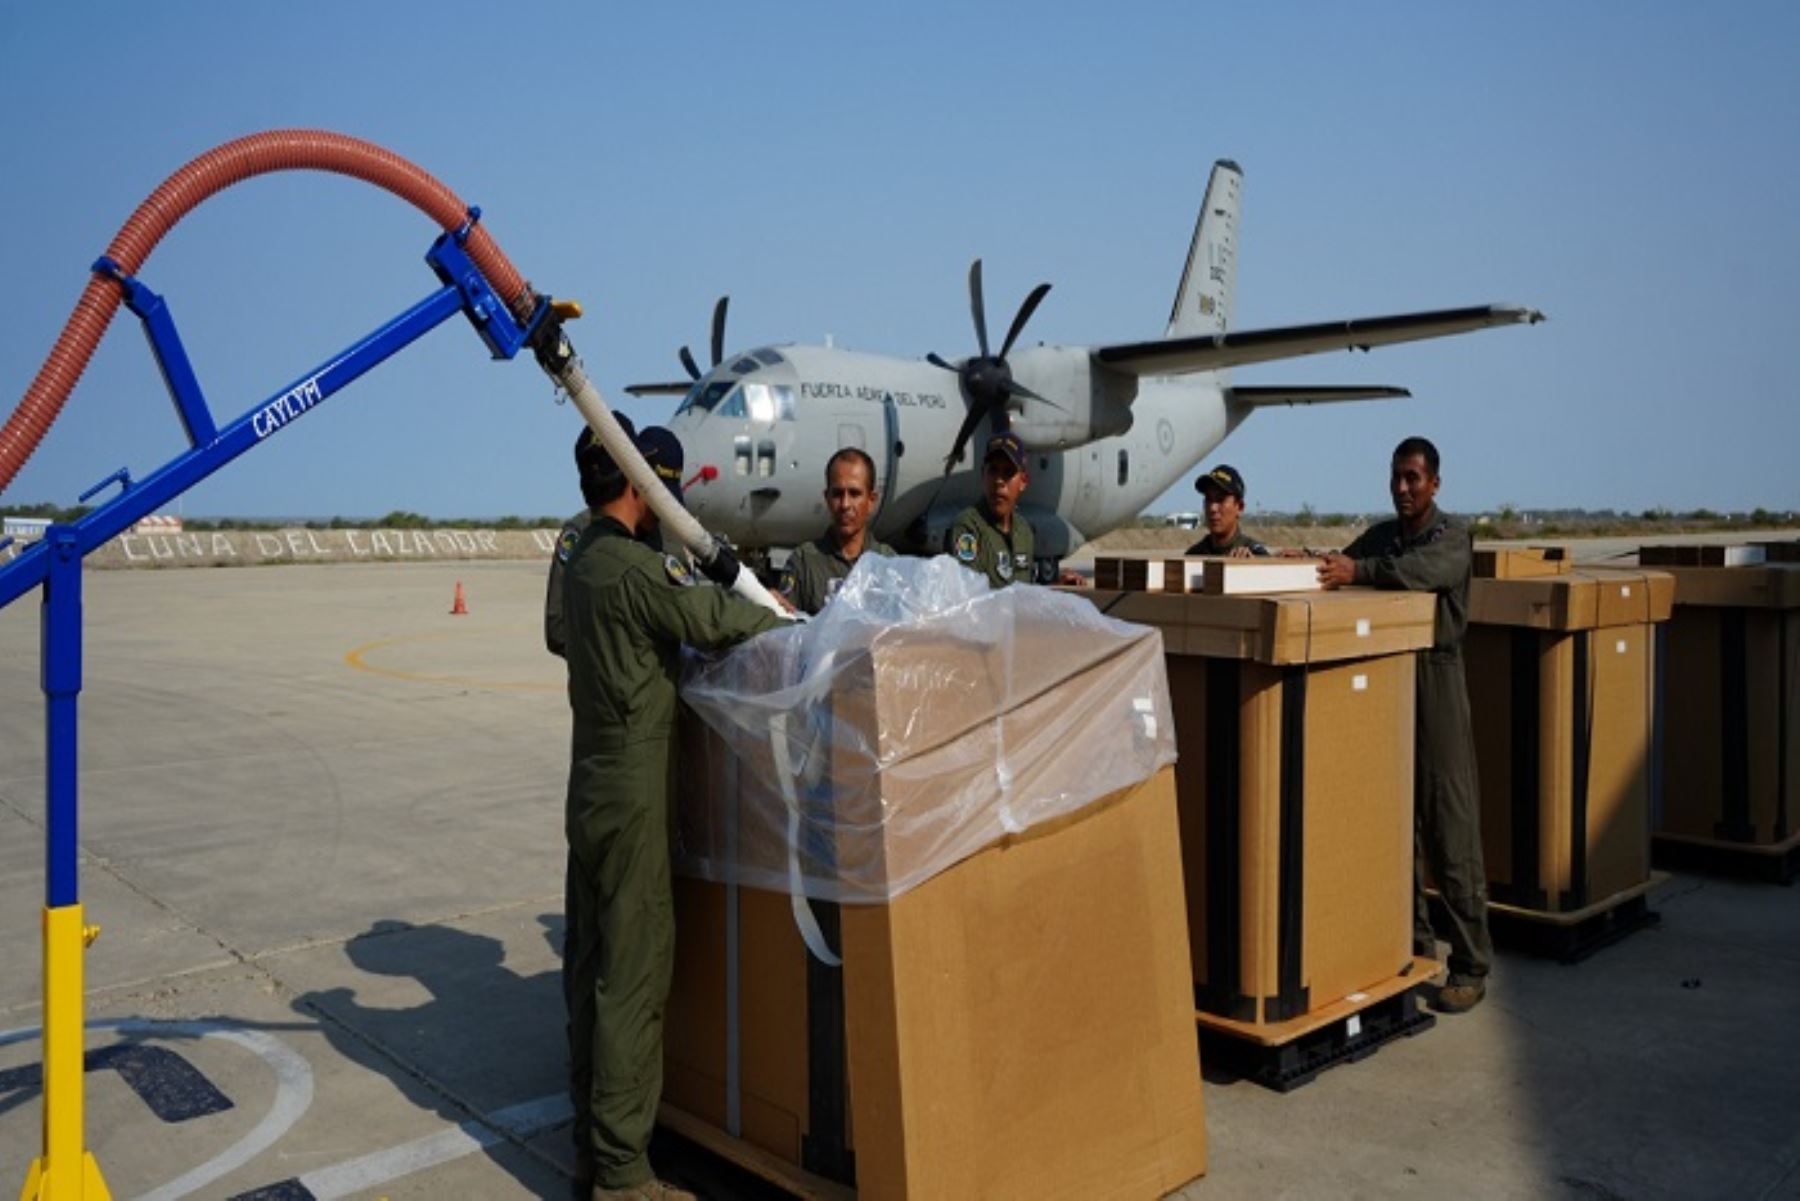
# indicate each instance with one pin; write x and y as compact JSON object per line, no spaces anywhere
{"x":356,"y":658}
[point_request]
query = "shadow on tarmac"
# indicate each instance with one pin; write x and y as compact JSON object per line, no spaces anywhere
{"x":487,"y":1037}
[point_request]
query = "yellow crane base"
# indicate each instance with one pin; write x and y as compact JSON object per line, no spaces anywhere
{"x":41,"y":1185}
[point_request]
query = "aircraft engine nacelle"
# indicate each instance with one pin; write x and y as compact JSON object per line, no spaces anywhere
{"x":1094,"y":402}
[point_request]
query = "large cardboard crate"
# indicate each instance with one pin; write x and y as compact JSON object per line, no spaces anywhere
{"x":1733,"y":663}
{"x":1018,"y":1026}
{"x":1562,"y":677}
{"x":974,"y":812}
{"x":1294,"y":720}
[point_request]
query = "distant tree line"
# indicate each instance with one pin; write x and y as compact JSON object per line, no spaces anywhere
{"x":399,"y":519}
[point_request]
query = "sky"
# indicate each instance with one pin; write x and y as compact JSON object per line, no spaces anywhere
{"x":1631,"y":170}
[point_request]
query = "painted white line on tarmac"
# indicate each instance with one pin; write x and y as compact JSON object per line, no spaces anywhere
{"x":367,"y":1171}
{"x":293,"y":1091}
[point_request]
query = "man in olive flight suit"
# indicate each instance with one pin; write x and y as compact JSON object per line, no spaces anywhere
{"x":1223,"y":489}
{"x":815,"y":570}
{"x":1424,"y":550}
{"x":992,"y":538}
{"x":628,"y":610}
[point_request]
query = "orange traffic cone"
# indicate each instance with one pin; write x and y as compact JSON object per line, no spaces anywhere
{"x":457,"y":608}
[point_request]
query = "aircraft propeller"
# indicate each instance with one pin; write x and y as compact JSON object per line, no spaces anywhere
{"x":986,"y":378}
{"x":687,"y":358}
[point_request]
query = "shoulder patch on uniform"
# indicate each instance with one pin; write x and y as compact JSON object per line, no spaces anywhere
{"x":565,"y":546}
{"x":677,"y":570}
{"x":965,"y":546}
{"x":785,"y":585}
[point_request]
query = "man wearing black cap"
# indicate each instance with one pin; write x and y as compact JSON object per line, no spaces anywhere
{"x":662,"y":450}
{"x":628,"y":611}
{"x":992,"y":538}
{"x":1223,"y":489}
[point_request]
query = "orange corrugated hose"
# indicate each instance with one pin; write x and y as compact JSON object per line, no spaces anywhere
{"x":217,"y":169}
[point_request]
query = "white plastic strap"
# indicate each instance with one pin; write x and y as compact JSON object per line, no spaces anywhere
{"x":804,"y":921}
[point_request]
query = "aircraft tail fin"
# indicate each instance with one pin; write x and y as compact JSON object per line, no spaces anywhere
{"x":1208,"y":282}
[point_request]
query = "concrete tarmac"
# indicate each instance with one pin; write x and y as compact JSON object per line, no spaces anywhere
{"x":322,"y":830}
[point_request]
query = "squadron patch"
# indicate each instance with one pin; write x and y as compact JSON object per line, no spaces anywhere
{"x":565,"y":546}
{"x":1004,"y":566}
{"x":965,"y":547}
{"x":786,"y":584}
{"x":678,"y":570}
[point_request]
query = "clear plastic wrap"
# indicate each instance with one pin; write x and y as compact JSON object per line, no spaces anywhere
{"x":920,"y":718}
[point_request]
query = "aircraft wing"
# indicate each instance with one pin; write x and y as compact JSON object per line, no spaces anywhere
{"x":1310,"y":394}
{"x":1211,"y":352}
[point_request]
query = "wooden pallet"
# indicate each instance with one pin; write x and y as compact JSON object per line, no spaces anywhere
{"x":1285,"y":1055}
{"x":1574,"y":935}
{"x":791,"y":1179}
{"x":1774,"y":863}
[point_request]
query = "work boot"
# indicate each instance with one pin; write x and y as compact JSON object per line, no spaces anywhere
{"x":650,"y":1190}
{"x":1460,"y":994}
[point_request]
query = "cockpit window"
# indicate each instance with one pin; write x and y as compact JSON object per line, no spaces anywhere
{"x":744,"y":366}
{"x":767,"y":358}
{"x":704,"y":396}
{"x":728,"y":398}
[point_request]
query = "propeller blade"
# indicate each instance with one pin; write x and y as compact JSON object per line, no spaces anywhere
{"x":1018,"y":389}
{"x":718,"y":330}
{"x":935,"y":361}
{"x":970,"y":421}
{"x":978,"y":306}
{"x":1025,"y":311}
{"x":687,"y":360}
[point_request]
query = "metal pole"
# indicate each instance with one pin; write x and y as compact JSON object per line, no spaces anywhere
{"x":66,"y":1172}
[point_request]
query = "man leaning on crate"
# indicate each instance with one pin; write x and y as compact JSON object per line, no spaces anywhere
{"x":1423,"y":550}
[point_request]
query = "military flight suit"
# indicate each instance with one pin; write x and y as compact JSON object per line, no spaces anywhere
{"x":816,"y":568}
{"x":1206,"y":545}
{"x":1446,"y":788}
{"x":628,"y":611}
{"x":980,"y":545}
{"x":553,"y":595}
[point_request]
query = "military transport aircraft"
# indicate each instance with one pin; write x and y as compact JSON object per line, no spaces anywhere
{"x":1109,"y":427}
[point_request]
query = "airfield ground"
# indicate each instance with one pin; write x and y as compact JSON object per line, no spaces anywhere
{"x":321,"y":827}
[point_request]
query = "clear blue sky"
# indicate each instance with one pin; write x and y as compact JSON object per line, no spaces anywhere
{"x":1632,"y":170}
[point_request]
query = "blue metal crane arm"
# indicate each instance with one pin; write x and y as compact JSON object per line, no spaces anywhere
{"x":464,"y":289}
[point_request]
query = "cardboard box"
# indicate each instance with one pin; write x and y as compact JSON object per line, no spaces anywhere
{"x":1279,"y":629}
{"x":1584,"y":598}
{"x":1235,"y":577}
{"x":1519,"y":562}
{"x":1148,"y":573}
{"x":928,"y":744}
{"x":1018,"y":1026}
{"x":1294,"y":719}
{"x":1771,"y":586}
{"x":1733,"y":660}
{"x":1565,"y":714}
